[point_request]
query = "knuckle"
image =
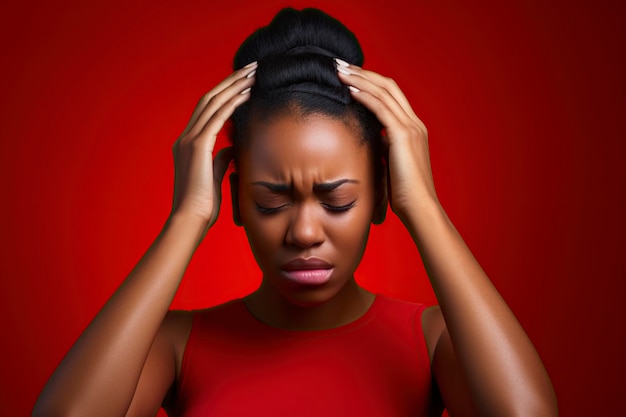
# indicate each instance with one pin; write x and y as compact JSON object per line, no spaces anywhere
{"x":204,"y":99}
{"x":211,"y":100}
{"x":226,"y":109}
{"x":417,"y":130}
{"x":390,"y":82}
{"x":377,"y":105}
{"x":217,"y":116}
{"x":198,"y":144}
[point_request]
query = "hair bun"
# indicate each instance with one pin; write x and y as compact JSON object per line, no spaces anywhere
{"x":292,"y":29}
{"x":297,"y":75}
{"x":295,"y":54}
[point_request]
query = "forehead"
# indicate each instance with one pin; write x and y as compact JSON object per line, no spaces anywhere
{"x":289,"y":147}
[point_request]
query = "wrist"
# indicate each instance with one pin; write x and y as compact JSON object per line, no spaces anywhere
{"x":187,"y":223}
{"x":420,"y":212}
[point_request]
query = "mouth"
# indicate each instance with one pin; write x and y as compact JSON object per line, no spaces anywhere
{"x":310,"y":271}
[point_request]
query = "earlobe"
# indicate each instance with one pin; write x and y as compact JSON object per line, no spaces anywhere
{"x":234,"y":195}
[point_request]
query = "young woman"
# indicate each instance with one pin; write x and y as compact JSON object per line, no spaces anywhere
{"x":312,"y":172}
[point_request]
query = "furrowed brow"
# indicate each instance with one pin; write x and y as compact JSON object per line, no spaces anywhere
{"x":277,"y":188}
{"x":330,"y":186}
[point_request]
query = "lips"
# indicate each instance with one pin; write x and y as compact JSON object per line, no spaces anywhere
{"x":310,"y":271}
{"x":303,"y":264}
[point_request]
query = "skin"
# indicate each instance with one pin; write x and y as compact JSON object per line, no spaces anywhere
{"x":130,"y":355}
{"x":287,"y":168}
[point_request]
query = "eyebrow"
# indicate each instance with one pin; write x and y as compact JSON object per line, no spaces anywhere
{"x":324,"y":187}
{"x":330,"y":186}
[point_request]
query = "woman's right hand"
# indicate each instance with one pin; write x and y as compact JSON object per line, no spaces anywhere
{"x":198,"y":178}
{"x":120,"y":362}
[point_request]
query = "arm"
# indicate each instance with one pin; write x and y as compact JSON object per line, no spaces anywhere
{"x":481,"y":345}
{"x":100,"y":374}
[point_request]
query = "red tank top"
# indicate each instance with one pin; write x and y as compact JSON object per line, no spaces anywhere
{"x":378,"y":365}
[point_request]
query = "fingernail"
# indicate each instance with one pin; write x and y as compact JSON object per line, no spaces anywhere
{"x":341,"y":62}
{"x":252,"y":64}
{"x":353,"y":89}
{"x":343,"y":70}
{"x":246,"y":91}
{"x":251,"y":74}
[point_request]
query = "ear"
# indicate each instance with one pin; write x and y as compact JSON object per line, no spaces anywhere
{"x":382,"y":200}
{"x":234,"y":195}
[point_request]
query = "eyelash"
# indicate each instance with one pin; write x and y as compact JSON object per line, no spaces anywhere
{"x":340,"y":209}
{"x":329,"y":207}
{"x":268,"y":210}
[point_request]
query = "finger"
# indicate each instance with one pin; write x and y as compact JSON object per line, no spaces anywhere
{"x":209,"y":133}
{"x":376,"y":99}
{"x":388,"y":84}
{"x":363,"y":84}
{"x":237,"y":87}
{"x":220,"y":164}
{"x":240,"y":73}
{"x":205,"y":99}
{"x":228,"y":81}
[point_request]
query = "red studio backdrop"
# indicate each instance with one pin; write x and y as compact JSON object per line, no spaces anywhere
{"x":525,"y":104}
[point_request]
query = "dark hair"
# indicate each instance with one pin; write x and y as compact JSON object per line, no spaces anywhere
{"x":297,"y":74}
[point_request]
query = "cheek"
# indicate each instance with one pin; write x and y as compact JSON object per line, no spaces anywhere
{"x":262,"y":248}
{"x":265,"y":233}
{"x":261,"y":228}
{"x":349,"y":234}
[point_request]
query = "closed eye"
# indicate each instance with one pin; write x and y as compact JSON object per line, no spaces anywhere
{"x":269,"y":210}
{"x":339,"y":209}
{"x":329,"y":207}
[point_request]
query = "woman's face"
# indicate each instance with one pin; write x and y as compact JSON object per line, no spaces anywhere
{"x":306,"y":201}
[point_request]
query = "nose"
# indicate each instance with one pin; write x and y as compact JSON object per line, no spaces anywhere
{"x":305,"y":228}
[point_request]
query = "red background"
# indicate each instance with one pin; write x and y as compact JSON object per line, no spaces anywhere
{"x":525,"y":105}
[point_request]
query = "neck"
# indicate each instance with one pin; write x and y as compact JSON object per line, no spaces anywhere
{"x":346,"y":306}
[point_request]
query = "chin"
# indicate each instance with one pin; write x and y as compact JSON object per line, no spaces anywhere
{"x":309,"y":296}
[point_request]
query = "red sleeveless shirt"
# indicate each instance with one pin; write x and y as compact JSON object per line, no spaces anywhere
{"x":378,"y":365}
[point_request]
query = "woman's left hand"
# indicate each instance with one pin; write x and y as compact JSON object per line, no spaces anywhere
{"x":406,"y":136}
{"x":481,"y":356}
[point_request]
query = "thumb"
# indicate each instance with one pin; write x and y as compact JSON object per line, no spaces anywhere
{"x":220,"y":164}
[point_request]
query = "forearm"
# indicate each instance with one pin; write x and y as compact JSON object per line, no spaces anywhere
{"x":100,"y":372}
{"x":504,"y":372}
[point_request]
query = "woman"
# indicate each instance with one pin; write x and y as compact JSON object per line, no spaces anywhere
{"x":312,"y":173}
